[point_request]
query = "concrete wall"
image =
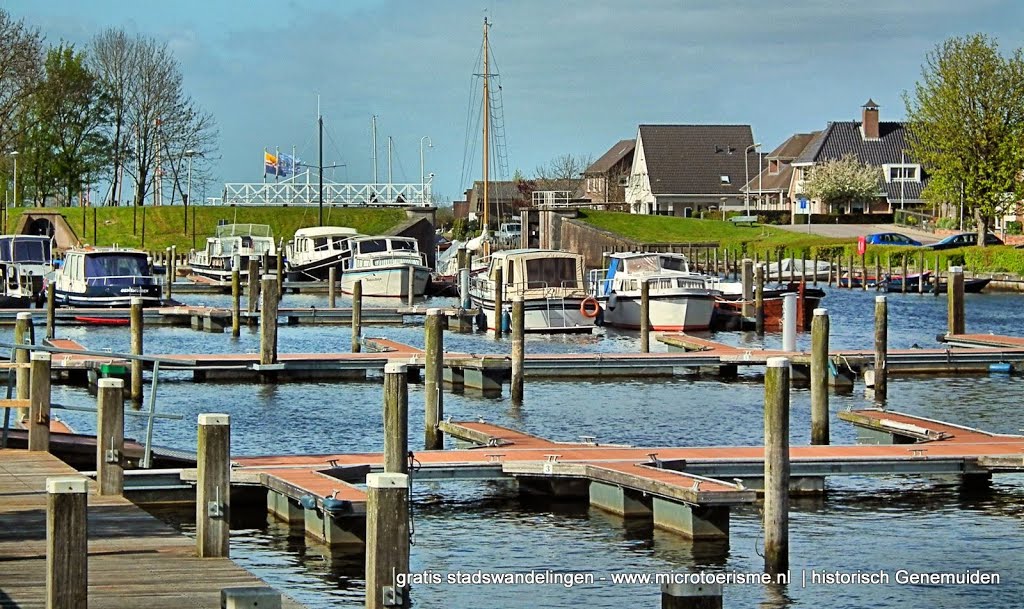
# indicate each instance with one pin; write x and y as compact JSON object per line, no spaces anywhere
{"x":582,"y":238}
{"x":63,"y":235}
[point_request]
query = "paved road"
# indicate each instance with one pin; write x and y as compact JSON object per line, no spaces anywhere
{"x":856,"y":230}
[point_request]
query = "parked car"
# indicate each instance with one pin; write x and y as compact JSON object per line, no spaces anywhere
{"x":509,"y":233}
{"x":890,"y":239}
{"x":964,"y":240}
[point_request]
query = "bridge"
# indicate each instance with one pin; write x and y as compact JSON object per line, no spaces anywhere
{"x":303,"y":192}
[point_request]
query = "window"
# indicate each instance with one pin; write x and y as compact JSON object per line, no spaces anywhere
{"x":726,"y":180}
{"x":551,"y":272}
{"x":902,"y":172}
{"x":773,"y":166}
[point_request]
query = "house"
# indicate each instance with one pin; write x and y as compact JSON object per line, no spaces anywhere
{"x":605,"y":180}
{"x":769,"y":189}
{"x":680,"y":170}
{"x":504,"y":199}
{"x":881,"y":144}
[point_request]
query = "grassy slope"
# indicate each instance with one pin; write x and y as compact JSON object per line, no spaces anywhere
{"x":164,"y":225}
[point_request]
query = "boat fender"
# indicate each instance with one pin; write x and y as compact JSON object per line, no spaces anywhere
{"x":589,"y":308}
{"x":308,"y":502}
{"x":1001,"y":368}
{"x":335,"y":507}
{"x":506,"y":321}
{"x":481,"y":321}
{"x":599,"y":320}
{"x":613,"y":301}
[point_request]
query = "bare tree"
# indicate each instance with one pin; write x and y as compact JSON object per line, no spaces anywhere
{"x":21,"y":69}
{"x":113,"y":58}
{"x":564,"y":172}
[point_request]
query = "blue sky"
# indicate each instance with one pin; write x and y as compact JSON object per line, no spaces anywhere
{"x":577,"y":75}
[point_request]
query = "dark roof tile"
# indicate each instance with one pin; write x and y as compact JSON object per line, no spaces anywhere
{"x":691,"y":159}
{"x":615,"y":154}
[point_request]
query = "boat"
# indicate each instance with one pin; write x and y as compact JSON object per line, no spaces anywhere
{"x":729,"y":306}
{"x":679,"y":299}
{"x":551,"y":284}
{"x":315,"y":250}
{"x":25,"y":261}
{"x":234,"y":245}
{"x":105,"y":277}
{"x":800,"y":269}
{"x":971,"y":286}
{"x":384,"y":265}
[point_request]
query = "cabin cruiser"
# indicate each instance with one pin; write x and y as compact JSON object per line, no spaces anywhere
{"x":234,"y":245}
{"x":551,"y":284}
{"x":313,"y":251}
{"x":25,"y":261}
{"x":105,"y":277}
{"x":384,"y":265}
{"x":679,"y":299}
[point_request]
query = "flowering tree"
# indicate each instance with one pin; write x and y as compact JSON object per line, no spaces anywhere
{"x":843,"y":181}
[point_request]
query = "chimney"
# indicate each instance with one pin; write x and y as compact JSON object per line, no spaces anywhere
{"x":869,"y":120}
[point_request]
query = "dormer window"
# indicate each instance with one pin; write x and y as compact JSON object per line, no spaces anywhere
{"x":902,"y":172}
{"x":773,"y":166}
{"x":726,"y":181}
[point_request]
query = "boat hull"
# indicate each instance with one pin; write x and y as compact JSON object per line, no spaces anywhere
{"x":319,"y":270}
{"x":220,"y":270}
{"x":667,"y":312}
{"x":109,"y":296}
{"x":543,"y":316}
{"x":388,"y":281}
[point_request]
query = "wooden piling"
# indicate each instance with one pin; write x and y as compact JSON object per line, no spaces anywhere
{"x":387,"y":539}
{"x":433,"y":379}
{"x":831,"y":269}
{"x":819,"y":377}
{"x":22,"y":331}
{"x":280,"y":273}
{"x":357,"y":316}
{"x":938,"y":277}
{"x":792,"y":266}
{"x":136,"y":347}
{"x":332,"y":287}
{"x":253,"y":293}
{"x":39,"y":402}
{"x":67,"y":553}
{"x":955,"y":300}
{"x":110,"y":436}
{"x":776,"y":466}
{"x":814,"y":270}
{"x":879,"y":284}
{"x":747,"y":287}
{"x":411,"y":286}
{"x":645,"y":316}
{"x":236,"y":302}
{"x":849,"y":273}
{"x":903,"y":281}
{"x":759,"y":299}
{"x":396,"y":418}
{"x":51,"y":311}
{"x":881,"y":347}
{"x":778,"y":261}
{"x":920,"y":271}
{"x":213,"y":486}
{"x":499,"y":303}
{"x":518,"y":347}
{"x":691,"y":596}
{"x":171,"y":271}
{"x":716,"y":261}
{"x":268,"y":321}
{"x":863,"y":273}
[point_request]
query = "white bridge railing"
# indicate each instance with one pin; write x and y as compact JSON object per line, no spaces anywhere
{"x":347,"y":195}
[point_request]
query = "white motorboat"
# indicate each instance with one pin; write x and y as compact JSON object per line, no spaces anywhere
{"x":313,"y":251}
{"x":105,"y":277}
{"x":234,"y":245}
{"x":797,"y":268}
{"x":679,"y":299}
{"x":384,"y":265}
{"x":25,"y":261}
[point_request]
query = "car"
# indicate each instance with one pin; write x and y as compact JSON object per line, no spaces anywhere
{"x":964,"y":240}
{"x":890,"y":239}
{"x":509,"y":233}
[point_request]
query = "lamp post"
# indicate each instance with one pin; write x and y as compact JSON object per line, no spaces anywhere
{"x":188,"y":189}
{"x":746,"y":176}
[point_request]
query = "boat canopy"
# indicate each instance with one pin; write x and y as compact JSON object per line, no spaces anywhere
{"x":325,"y":231}
{"x":239,"y":230}
{"x":25,"y":248}
{"x":369,"y":245}
{"x":116,"y":264}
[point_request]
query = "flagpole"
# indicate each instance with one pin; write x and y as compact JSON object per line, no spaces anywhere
{"x":264,"y":164}
{"x":277,"y":163}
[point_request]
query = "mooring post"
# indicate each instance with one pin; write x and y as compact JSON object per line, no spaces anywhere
{"x":863,"y":273}
{"x":280,"y":274}
{"x":815,"y":269}
{"x":464,"y":301}
{"x":789,"y":322}
{"x":759,"y":299}
{"x":250,"y":597}
{"x":881,"y":382}
{"x":67,"y":553}
{"x":236,"y":302}
{"x":645,"y":316}
{"x":51,"y":311}
{"x":850,"y":273}
{"x":716,"y":261}
{"x":691,"y":596}
{"x":792,"y":266}
{"x":213,"y":487}
{"x":955,"y":300}
{"x":387,"y":539}
{"x":168,"y":274}
{"x":518,"y":347}
{"x":253,"y":292}
{"x":411,"y":285}
{"x":22,"y":332}
{"x":920,"y":273}
{"x":268,"y":321}
{"x":776,"y":466}
{"x":903,"y":281}
{"x":396,"y":418}
{"x":460,"y":257}
{"x":499,"y":301}
{"x":778,"y":262}
{"x":136,"y":347}
{"x":938,"y":277}
{"x":819,"y":377}
{"x":747,"y":286}
{"x":110,"y":436}
{"x":332,"y":287}
{"x":831,"y":269}
{"x":433,"y":379}
{"x":39,"y":402}
{"x":357,"y":316}
{"x":879,"y":284}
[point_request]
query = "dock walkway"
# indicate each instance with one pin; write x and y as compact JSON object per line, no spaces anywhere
{"x":134,"y":559}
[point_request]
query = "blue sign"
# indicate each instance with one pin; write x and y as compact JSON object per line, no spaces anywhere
{"x":803,"y":203}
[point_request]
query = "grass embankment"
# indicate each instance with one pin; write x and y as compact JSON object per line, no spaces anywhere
{"x":770,"y":241}
{"x":164,"y":225}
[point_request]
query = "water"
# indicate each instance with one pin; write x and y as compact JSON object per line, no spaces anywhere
{"x":887,"y":523}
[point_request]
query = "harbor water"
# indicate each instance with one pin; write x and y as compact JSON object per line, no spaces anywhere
{"x":862,"y":525}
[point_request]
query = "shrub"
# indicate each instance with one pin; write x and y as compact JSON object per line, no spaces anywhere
{"x":947,"y":223}
{"x":1014,"y":228}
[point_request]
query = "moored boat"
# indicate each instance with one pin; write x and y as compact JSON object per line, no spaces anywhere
{"x":384,"y":265}
{"x":234,"y":244}
{"x":315,"y":250}
{"x":105,"y":277}
{"x":25,"y":261}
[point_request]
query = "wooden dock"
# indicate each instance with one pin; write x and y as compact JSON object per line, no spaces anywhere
{"x":134,"y":559}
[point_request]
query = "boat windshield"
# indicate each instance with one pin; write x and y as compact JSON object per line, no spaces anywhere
{"x":116,"y":265}
{"x":674,"y":263}
{"x":373,"y":245}
{"x":397,"y":244}
{"x":25,"y":250}
{"x":551,"y":272}
{"x":642,"y":264}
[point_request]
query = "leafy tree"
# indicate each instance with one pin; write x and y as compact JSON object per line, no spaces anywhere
{"x":843,"y":181}
{"x":966,"y":120}
{"x":21,"y":62}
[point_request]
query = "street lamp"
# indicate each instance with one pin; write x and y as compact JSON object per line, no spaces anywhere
{"x":188,"y":189}
{"x":746,"y":175}
{"x":429,"y":145}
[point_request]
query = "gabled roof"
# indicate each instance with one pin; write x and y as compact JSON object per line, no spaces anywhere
{"x":615,"y":154}
{"x":691,"y":159}
{"x":793,"y":146}
{"x":786,"y":152}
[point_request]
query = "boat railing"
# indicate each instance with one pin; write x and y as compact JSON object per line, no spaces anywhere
{"x":599,"y":285}
{"x":121,"y":280}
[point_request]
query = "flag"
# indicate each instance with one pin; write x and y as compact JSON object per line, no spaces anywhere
{"x":269,"y":164}
{"x":288,"y":165}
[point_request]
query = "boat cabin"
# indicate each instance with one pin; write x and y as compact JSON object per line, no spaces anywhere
{"x":530,"y":269}
{"x":316,"y":242}
{"x":26,"y":249}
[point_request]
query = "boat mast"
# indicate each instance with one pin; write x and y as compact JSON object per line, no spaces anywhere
{"x":320,"y":126}
{"x":486,"y":121}
{"x":373,"y":129}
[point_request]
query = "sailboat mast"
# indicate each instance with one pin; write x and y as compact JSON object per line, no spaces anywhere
{"x":487,"y":141}
{"x":373,"y":129}
{"x":320,"y":126}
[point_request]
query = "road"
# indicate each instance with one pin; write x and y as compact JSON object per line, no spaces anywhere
{"x":845,"y":231}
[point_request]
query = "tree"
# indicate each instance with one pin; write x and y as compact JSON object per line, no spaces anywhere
{"x":966,"y":120}
{"x":21,"y":62}
{"x":564,"y":172}
{"x":112,"y":58}
{"x":844,"y":181}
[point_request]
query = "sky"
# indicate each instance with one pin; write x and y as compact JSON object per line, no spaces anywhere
{"x":576,"y":75}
